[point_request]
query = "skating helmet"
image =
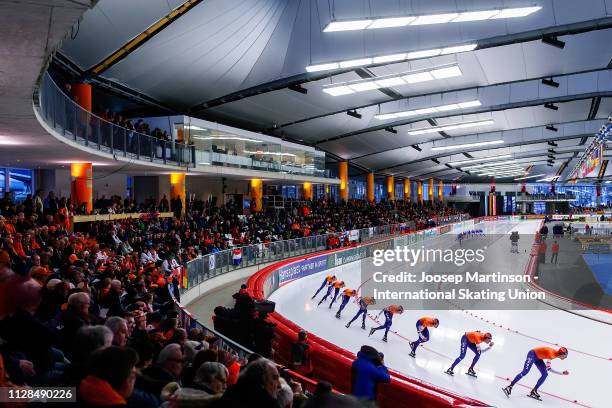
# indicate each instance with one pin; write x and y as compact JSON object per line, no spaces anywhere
{"x":488,"y":336}
{"x":436,"y":322}
{"x":400,"y":309}
{"x":562,"y":351}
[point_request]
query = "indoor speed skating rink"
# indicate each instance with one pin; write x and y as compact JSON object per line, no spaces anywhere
{"x":514,"y":334}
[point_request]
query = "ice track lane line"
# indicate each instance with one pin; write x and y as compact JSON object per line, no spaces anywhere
{"x":505,"y":379}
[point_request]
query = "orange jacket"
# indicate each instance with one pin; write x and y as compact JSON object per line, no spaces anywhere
{"x":427,"y":321}
{"x":394,"y":309}
{"x":349,"y":292}
{"x":545,"y":353}
{"x":475,"y":337}
{"x":330,"y":278}
{"x":338,"y":284}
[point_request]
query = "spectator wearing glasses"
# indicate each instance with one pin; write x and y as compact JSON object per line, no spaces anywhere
{"x":168,"y":368}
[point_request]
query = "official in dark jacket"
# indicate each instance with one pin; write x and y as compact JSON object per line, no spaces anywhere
{"x":367,"y":372}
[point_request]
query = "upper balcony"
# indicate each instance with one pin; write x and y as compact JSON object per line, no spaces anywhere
{"x":194,"y":145}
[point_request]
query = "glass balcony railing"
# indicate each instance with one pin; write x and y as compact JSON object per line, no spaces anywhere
{"x":70,"y":120}
{"x":73,"y":122}
{"x":204,"y":158}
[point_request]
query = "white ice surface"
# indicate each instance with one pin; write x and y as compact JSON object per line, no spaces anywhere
{"x":589,"y":342}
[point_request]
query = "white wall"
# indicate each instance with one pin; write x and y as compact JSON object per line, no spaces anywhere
{"x":109,"y":184}
{"x":205,"y":187}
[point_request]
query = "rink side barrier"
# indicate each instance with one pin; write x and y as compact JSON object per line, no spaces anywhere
{"x":558,"y":301}
{"x":187,"y":321}
{"x":333,"y":363}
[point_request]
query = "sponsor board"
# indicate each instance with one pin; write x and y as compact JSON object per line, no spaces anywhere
{"x":344,"y":257}
{"x":301,"y":268}
{"x":445,"y":229}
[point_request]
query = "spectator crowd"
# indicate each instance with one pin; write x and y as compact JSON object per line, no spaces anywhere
{"x":89,"y":305}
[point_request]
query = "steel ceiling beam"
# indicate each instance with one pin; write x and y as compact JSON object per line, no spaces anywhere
{"x":481,"y":109}
{"x":498,"y":41}
{"x":484,"y":135}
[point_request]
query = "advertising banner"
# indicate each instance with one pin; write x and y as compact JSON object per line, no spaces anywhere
{"x":301,"y":268}
{"x":344,"y":257}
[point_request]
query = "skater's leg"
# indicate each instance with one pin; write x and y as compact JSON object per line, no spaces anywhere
{"x":387,"y":327}
{"x":528,"y":363}
{"x":464,"y":342}
{"x":357,"y":316}
{"x":473,"y":347}
{"x":363,"y":317}
{"x":543,"y":371}
{"x":320,"y":289}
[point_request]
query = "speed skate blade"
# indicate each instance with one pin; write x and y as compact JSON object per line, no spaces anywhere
{"x":534,"y":397}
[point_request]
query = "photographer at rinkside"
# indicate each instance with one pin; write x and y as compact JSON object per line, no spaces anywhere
{"x":368,"y":370}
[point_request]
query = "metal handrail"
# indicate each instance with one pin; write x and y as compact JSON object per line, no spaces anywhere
{"x":73,"y":122}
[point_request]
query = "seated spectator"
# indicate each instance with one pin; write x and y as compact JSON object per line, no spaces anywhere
{"x":110,"y":378}
{"x":300,"y":351}
{"x":257,"y":386}
{"x":119,"y":328}
{"x":88,"y":340}
{"x":168,"y":368}
{"x":73,"y":318}
{"x":209,"y":385}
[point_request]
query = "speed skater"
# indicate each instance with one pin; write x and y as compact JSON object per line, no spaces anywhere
{"x":339,"y":284}
{"x":537,"y":356}
{"x":472,"y":340}
{"x":347,"y":294}
{"x":364,"y":302}
{"x":422,"y":330}
{"x":329,"y":280}
{"x":389,"y":312}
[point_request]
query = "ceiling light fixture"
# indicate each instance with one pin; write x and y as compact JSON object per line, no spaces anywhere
{"x":298,"y":88}
{"x":391,"y":130}
{"x":554,"y":41}
{"x":528,"y":177}
{"x":550,"y":82}
{"x":548,"y":179}
{"x":353,"y":113}
{"x":459,"y":146}
{"x":241,"y":139}
{"x":442,"y":72}
{"x":402,"y":21}
{"x":551,"y":106}
{"x":552,"y":128}
{"x":453,"y":126}
{"x":507,"y":162}
{"x":384,"y":59}
{"x":503,"y":156}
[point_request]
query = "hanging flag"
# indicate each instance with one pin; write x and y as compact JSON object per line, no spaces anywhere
{"x":237,"y":256}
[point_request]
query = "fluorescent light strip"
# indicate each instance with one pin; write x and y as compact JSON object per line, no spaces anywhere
{"x":490,"y":164}
{"x":548,"y":179}
{"x":382,"y":59}
{"x":452,"y":126}
{"x":402,"y":21}
{"x":503,"y":156}
{"x":347,"y":88}
{"x":434,"y":109}
{"x":271,"y":153}
{"x":242,"y":139}
{"x":459,"y":146}
{"x":528,"y":177}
